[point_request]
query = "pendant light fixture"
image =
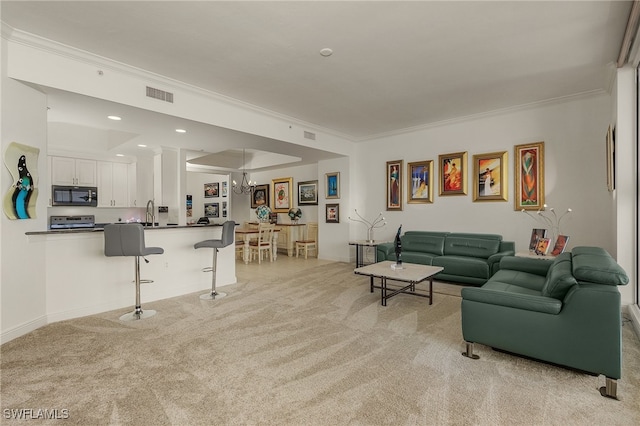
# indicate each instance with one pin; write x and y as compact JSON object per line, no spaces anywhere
{"x":246,"y":186}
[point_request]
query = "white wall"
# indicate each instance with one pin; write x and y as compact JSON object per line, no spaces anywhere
{"x":22,"y":275}
{"x":195,"y":188}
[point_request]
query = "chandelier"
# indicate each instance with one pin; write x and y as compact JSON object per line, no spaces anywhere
{"x":246,"y":186}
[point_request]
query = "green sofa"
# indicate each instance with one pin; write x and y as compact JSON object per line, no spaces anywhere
{"x":466,"y":257}
{"x":564,"y":311}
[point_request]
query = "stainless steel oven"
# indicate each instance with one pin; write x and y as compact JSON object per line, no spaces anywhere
{"x":74,"y":196}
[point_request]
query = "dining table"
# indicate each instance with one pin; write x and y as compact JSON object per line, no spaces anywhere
{"x":245,"y":234}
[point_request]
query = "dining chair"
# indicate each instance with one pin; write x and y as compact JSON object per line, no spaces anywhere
{"x":310,"y":240}
{"x":263,"y":243}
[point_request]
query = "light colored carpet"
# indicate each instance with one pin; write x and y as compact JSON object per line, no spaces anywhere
{"x":316,"y":349}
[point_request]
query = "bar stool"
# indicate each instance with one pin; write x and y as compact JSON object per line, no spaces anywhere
{"x":228,"y":231}
{"x":127,"y":239}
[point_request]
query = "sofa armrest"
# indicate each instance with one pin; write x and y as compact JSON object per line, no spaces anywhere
{"x":526,"y":264}
{"x":526,"y":302}
{"x":494,"y":260}
{"x":386,"y":251}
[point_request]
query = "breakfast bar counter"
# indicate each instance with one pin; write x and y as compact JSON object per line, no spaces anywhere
{"x":81,"y":280}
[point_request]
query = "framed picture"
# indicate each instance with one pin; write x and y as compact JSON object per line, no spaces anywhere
{"x":333,"y":213}
{"x":536,"y":234}
{"x":333,"y":185}
{"x":561,"y":244}
{"x":259,"y":195}
{"x":394,"y":185}
{"x":542,"y":247}
{"x":529,"y":176}
{"x":212,"y":209}
{"x":189,"y":206}
{"x":490,"y":177}
{"x":420,"y":182}
{"x":308,"y":193}
{"x":453,"y":173}
{"x":611,"y":160}
{"x":211,"y":189}
{"x":224,"y":209}
{"x":282,"y":195}
{"x":225,"y":188}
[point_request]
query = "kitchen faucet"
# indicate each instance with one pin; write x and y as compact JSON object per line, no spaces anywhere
{"x":151,"y":214}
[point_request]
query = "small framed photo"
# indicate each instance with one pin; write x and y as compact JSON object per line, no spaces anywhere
{"x":259,"y":196}
{"x":529,"y":176}
{"x":394,"y":185}
{"x":225,"y":188}
{"x":611,"y":159}
{"x":536,"y":234}
{"x":420,"y":182}
{"x":212,"y":209}
{"x":453,"y":173}
{"x":542,"y":247}
{"x":282,"y":194}
{"x":333,"y":213}
{"x":560,"y":246}
{"x":211,"y":189}
{"x":490,"y":177}
{"x":333,"y":185}
{"x":308,"y":193}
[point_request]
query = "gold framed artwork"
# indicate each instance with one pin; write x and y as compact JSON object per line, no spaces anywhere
{"x":394,"y":185}
{"x":332,"y":185}
{"x":282,"y":195}
{"x":453,"y":173}
{"x":420,"y":182}
{"x":490,"y":176}
{"x":529,"y":176}
{"x":611,"y":158}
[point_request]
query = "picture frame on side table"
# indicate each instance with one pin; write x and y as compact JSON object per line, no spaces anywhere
{"x":420,"y":182}
{"x":260,"y":195}
{"x":332,"y":185}
{"x":332,"y":213}
{"x":490,"y":176}
{"x":308,"y":193}
{"x":394,"y":185}
{"x":561,"y":245}
{"x":542,"y":247}
{"x":282,"y":195}
{"x":536,"y":234}
{"x":453,"y":173}
{"x":529,"y":176}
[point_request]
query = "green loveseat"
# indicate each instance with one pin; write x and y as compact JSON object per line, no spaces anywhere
{"x":564,"y":311}
{"x":466,"y":257}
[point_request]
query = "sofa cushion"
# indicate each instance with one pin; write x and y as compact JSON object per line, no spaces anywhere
{"x":527,"y":280}
{"x":594,"y":264}
{"x":426,"y":242}
{"x":559,"y":277}
{"x":416,"y":257}
{"x":462,"y":265}
{"x":463,"y":245}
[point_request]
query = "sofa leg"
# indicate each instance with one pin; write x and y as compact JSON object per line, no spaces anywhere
{"x":469,"y":352}
{"x":610,"y":390}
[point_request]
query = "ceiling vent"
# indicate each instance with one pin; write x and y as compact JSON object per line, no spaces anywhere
{"x":309,"y":135}
{"x":159,"y":94}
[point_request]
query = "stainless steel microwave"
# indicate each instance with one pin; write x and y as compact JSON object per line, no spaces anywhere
{"x":74,"y":196}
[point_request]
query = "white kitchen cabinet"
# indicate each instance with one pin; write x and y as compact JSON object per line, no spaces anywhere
{"x":143,"y":185}
{"x":113,"y":184}
{"x":73,"y":171}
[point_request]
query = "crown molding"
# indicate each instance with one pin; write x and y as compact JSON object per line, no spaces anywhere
{"x":100,"y":62}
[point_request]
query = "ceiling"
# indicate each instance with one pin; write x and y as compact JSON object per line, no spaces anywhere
{"x":395,"y":65}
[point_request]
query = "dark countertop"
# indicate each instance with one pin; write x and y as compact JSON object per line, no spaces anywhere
{"x":101,"y":229}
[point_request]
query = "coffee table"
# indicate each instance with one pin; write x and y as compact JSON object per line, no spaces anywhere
{"x":410,"y":273}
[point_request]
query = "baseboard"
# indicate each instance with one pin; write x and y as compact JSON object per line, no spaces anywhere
{"x":22,"y":329}
{"x":633,"y":312}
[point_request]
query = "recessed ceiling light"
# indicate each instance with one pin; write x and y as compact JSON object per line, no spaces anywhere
{"x":326,"y":52}
{"x":181,"y":131}
{"x":114,"y":117}
{"x":142,"y":145}
{"x":119,"y":155}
